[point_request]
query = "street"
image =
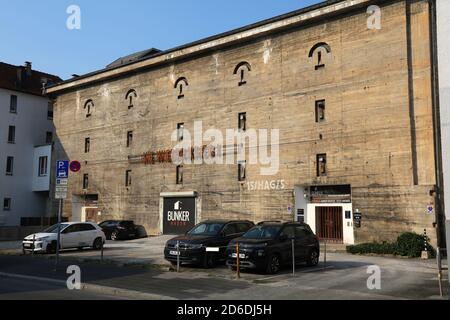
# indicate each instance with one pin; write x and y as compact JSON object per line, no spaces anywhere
{"x":21,"y":289}
{"x":344,"y":277}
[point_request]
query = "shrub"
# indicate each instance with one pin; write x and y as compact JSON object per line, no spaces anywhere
{"x":407,"y":245}
{"x":374,"y":247}
{"x":412,"y":244}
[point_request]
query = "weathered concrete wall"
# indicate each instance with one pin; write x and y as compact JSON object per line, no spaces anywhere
{"x":371,"y":134}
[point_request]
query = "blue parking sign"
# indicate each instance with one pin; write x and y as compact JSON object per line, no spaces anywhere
{"x":62,"y":169}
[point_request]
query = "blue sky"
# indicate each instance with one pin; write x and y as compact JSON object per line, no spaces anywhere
{"x":36,"y":30}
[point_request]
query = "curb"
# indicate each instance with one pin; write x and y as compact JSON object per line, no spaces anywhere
{"x":112,"y":291}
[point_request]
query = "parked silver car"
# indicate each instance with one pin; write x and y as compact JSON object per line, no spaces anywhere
{"x":73,"y":235}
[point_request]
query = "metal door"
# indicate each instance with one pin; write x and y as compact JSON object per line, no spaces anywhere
{"x":329,"y":224}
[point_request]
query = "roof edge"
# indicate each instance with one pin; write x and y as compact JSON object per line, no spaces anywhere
{"x":246,"y":33}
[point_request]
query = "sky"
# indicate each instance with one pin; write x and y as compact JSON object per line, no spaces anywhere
{"x":36,"y":31}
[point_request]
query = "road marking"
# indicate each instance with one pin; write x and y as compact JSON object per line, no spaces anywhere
{"x":290,"y":275}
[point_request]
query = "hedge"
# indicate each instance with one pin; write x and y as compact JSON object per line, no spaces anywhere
{"x":407,"y":245}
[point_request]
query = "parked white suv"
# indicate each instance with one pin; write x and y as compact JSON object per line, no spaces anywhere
{"x":73,"y":235}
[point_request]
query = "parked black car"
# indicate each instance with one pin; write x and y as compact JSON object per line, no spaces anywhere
{"x":268,"y":246}
{"x":119,"y":230}
{"x":197,"y":246}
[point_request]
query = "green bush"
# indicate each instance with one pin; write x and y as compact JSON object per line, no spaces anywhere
{"x":412,"y":244}
{"x":374,"y":247}
{"x":407,"y":245}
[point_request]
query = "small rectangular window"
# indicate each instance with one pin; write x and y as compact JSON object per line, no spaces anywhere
{"x":129,"y":138}
{"x":13,"y":104}
{"x":242,"y":174}
{"x":180,"y":131}
{"x":49,"y":137}
{"x":50,"y":111}
{"x":43,"y":166}
{"x":321,"y":165}
{"x":12,"y":134}
{"x":9,"y":166}
{"x":87,"y":145}
{"x":179,"y":174}
{"x":242,"y":124}
{"x":6,"y":204}
{"x":128,"y":178}
{"x":85,"y":181}
{"x":320,"y":111}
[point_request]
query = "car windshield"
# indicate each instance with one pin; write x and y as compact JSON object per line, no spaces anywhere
{"x":108,"y":223}
{"x":206,"y":229}
{"x":54,"y":228}
{"x":263,"y":232}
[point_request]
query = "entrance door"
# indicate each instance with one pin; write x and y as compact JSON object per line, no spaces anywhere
{"x":329,"y":224}
{"x":91,"y":214}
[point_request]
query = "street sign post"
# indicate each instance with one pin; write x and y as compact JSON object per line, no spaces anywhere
{"x":62,"y":176}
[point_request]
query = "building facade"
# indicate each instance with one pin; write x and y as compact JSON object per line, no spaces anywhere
{"x":27,"y":130}
{"x":443,"y":52}
{"x":351,"y":100}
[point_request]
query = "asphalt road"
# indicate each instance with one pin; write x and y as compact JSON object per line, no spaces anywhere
{"x":344,"y":277}
{"x":18,"y":289}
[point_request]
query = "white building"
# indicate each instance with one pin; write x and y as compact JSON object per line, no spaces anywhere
{"x":443,"y":56}
{"x":26,"y":135}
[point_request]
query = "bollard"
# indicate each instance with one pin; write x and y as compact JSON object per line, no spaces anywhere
{"x":425,"y":240}
{"x":425,"y":253}
{"x":238,"y":261}
{"x":439,"y":263}
{"x":178,"y":256}
{"x":102,"y":249}
{"x":325,"y":255}
{"x":32,"y":248}
{"x":293,"y":257}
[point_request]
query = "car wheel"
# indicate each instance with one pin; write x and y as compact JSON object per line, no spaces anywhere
{"x":51,"y":248}
{"x":114,"y":236}
{"x":273,"y":264}
{"x":208,"y":261}
{"x":313,"y":258}
{"x":98,"y":243}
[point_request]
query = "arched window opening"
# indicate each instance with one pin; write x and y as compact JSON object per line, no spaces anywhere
{"x":316,"y":53}
{"x":89,"y":107}
{"x":180,"y":84}
{"x":130,"y":97}
{"x":241,"y":69}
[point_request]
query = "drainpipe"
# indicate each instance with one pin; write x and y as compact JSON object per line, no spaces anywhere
{"x":440,"y":207}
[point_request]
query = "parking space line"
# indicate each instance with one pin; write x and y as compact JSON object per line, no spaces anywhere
{"x":297,"y":272}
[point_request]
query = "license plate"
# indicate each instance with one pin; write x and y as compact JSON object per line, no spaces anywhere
{"x":241,"y":256}
{"x":27,"y":245}
{"x":174,"y":253}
